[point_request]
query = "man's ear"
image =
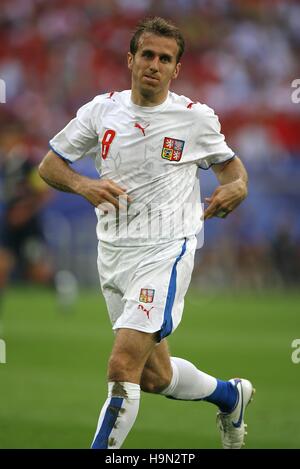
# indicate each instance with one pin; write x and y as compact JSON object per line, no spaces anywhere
{"x":130,"y":57}
{"x":176,"y":71}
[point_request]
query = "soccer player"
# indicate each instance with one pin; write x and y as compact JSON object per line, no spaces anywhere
{"x":22,"y":243}
{"x":151,"y":143}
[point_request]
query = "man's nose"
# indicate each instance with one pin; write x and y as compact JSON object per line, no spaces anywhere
{"x":154,"y":64}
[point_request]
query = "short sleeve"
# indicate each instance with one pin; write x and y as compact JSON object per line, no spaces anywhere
{"x":210,"y":142}
{"x":78,"y":137}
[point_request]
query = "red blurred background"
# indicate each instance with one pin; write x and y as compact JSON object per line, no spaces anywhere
{"x":241,"y":59}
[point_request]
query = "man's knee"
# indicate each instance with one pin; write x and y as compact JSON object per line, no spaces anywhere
{"x":121,"y":366}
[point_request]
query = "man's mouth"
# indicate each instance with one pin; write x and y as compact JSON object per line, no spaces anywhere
{"x":151,"y":79}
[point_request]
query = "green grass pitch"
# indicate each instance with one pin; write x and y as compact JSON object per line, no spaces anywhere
{"x":53,"y":384}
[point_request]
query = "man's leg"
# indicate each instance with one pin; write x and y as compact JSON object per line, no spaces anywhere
{"x":179,"y":379}
{"x":6,"y":265}
{"x":130,"y":352}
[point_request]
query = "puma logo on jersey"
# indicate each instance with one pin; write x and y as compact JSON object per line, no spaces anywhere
{"x":189,"y":106}
{"x":139,"y":126}
{"x":145,"y":310}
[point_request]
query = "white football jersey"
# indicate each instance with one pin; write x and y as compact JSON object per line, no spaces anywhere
{"x":154,"y":153}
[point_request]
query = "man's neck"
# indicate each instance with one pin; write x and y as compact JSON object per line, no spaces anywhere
{"x":148,"y":100}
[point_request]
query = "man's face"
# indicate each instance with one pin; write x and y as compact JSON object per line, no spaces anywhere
{"x":154,"y":64}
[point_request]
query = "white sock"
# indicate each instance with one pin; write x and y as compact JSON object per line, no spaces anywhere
{"x":117,"y":415}
{"x":189,"y":383}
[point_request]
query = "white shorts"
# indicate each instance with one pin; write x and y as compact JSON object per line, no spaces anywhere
{"x":144,"y":287}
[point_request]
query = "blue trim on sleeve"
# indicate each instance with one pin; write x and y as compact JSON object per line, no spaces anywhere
{"x":220,"y":162}
{"x":110,"y":417}
{"x":167,"y":325}
{"x":59,"y":155}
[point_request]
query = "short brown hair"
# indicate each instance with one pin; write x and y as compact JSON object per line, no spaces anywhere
{"x":160,"y":27}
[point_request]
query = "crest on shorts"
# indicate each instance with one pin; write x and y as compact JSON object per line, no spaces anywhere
{"x":172,"y":149}
{"x":146,"y":295}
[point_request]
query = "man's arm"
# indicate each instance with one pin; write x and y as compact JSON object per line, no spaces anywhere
{"x":58,"y":174}
{"x":233,"y":180}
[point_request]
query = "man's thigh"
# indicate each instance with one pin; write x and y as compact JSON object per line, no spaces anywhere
{"x":130,"y":352}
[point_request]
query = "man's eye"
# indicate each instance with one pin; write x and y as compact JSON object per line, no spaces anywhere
{"x":165,"y":59}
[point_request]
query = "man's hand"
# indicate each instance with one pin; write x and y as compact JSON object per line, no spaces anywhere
{"x":225,"y":199}
{"x":99,"y":192}
{"x":232,"y":191}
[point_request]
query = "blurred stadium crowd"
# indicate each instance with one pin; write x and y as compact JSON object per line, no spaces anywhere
{"x":241,"y":59}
